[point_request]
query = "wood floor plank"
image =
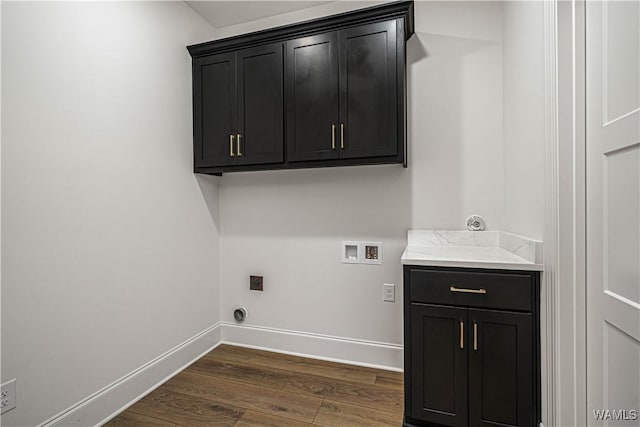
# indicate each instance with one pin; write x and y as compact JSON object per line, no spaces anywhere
{"x":132,"y":419}
{"x":243,"y":372}
{"x":260,"y":419}
{"x":364,"y":395}
{"x":390,"y":379}
{"x":236,"y":386}
{"x":299,"y":364}
{"x":186,"y":410}
{"x":341,"y":414}
{"x":275,"y":402}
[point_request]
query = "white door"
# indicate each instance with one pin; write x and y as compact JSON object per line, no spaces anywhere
{"x":613,"y":211}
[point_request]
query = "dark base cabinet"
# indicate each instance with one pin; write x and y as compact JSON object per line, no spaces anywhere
{"x":472,"y":352}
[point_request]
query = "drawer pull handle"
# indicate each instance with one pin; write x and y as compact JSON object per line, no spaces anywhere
{"x":461,"y":334}
{"x":333,"y":137}
{"x":231,"y":153}
{"x":475,"y":336}
{"x":467,"y":291}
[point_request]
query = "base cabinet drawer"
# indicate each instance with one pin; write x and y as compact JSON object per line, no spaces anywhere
{"x":470,"y":366}
{"x":505,"y":291}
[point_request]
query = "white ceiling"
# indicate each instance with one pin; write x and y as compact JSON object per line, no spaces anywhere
{"x":224,"y":13}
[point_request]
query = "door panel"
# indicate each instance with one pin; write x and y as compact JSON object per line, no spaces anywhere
{"x":312,"y":97}
{"x":439,"y":364}
{"x":613,"y":207}
{"x":620,"y":67}
{"x":500,"y":368}
{"x":260,"y":104}
{"x":368,"y":90}
{"x":624,"y":374}
{"x":214,"y":109}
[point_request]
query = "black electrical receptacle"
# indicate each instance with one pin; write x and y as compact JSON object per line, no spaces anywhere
{"x":255,"y":283}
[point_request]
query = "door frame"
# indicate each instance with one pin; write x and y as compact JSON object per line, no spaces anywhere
{"x":563,"y":299}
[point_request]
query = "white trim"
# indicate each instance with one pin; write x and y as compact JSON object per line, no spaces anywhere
{"x":98,"y":408}
{"x":351,"y":351}
{"x":570,"y":353}
{"x":622,"y":299}
{"x":549,"y":289}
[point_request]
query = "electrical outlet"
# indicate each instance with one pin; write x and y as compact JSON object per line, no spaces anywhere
{"x":255,"y":283}
{"x":389,"y":292}
{"x":8,"y":396}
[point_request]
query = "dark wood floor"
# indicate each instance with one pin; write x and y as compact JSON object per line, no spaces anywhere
{"x":235,"y":386}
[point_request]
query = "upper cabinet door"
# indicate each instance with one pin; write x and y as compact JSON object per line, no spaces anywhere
{"x":214,"y":109}
{"x":369,"y":90}
{"x":260,"y":105}
{"x":312,"y":97}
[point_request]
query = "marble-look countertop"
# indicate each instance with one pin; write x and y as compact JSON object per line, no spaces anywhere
{"x":472,"y":249}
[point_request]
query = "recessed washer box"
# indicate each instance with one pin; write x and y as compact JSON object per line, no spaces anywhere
{"x":359,"y":252}
{"x":372,"y":252}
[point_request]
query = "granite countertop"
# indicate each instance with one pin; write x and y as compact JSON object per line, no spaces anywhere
{"x":472,"y":249}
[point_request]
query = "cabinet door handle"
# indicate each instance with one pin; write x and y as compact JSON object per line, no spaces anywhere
{"x":231,"y":137}
{"x":475,"y":336}
{"x":461,"y":334}
{"x":467,"y":291}
{"x":342,"y":135}
{"x":239,"y":152}
{"x":333,"y":137}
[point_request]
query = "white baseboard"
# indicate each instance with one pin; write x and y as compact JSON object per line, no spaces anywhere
{"x":325,"y":347}
{"x":119,"y":395}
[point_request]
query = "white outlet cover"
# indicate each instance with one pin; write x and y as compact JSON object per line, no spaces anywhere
{"x":8,"y":393}
{"x":389,"y":292}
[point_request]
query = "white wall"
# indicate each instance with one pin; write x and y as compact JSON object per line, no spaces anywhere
{"x":455,"y":114}
{"x":288,"y":225}
{"x":109,"y":249}
{"x":524,"y":118}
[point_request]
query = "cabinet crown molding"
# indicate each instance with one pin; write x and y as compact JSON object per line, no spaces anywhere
{"x":394,"y":10}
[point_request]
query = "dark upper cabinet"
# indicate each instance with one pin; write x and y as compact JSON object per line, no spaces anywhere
{"x":334,"y":97}
{"x":238,"y":99}
{"x":472,"y":352}
{"x":342,"y":94}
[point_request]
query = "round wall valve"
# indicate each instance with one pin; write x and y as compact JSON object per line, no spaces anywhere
{"x":475,"y":223}
{"x":240,"y":314}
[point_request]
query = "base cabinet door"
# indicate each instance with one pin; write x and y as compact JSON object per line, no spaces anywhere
{"x":439,"y":368}
{"x":500,"y":369}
